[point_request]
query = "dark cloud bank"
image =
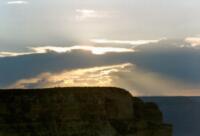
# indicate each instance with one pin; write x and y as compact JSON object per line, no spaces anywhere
{"x":163,"y":58}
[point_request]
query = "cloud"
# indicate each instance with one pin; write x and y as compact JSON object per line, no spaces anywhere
{"x":194,"y":41}
{"x":158,"y":61}
{"x":131,"y":42}
{"x":12,"y":54}
{"x":46,"y":49}
{"x":95,"y":76}
{"x":92,"y":49}
{"x":83,"y":14}
{"x":126,"y":75}
{"x":27,"y":66}
{"x":17,"y":2}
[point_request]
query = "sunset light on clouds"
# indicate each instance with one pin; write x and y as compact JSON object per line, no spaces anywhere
{"x":74,"y":37}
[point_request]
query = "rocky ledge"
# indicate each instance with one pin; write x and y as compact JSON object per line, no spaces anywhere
{"x":78,"y":112}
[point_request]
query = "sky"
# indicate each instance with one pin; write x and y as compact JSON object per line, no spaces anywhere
{"x":147,"y":47}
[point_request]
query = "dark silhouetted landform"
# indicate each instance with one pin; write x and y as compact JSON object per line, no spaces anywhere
{"x":78,"y":112}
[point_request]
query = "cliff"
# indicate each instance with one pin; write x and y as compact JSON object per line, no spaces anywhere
{"x":78,"y":112}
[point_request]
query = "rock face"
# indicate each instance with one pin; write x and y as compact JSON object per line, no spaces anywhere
{"x":78,"y":112}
